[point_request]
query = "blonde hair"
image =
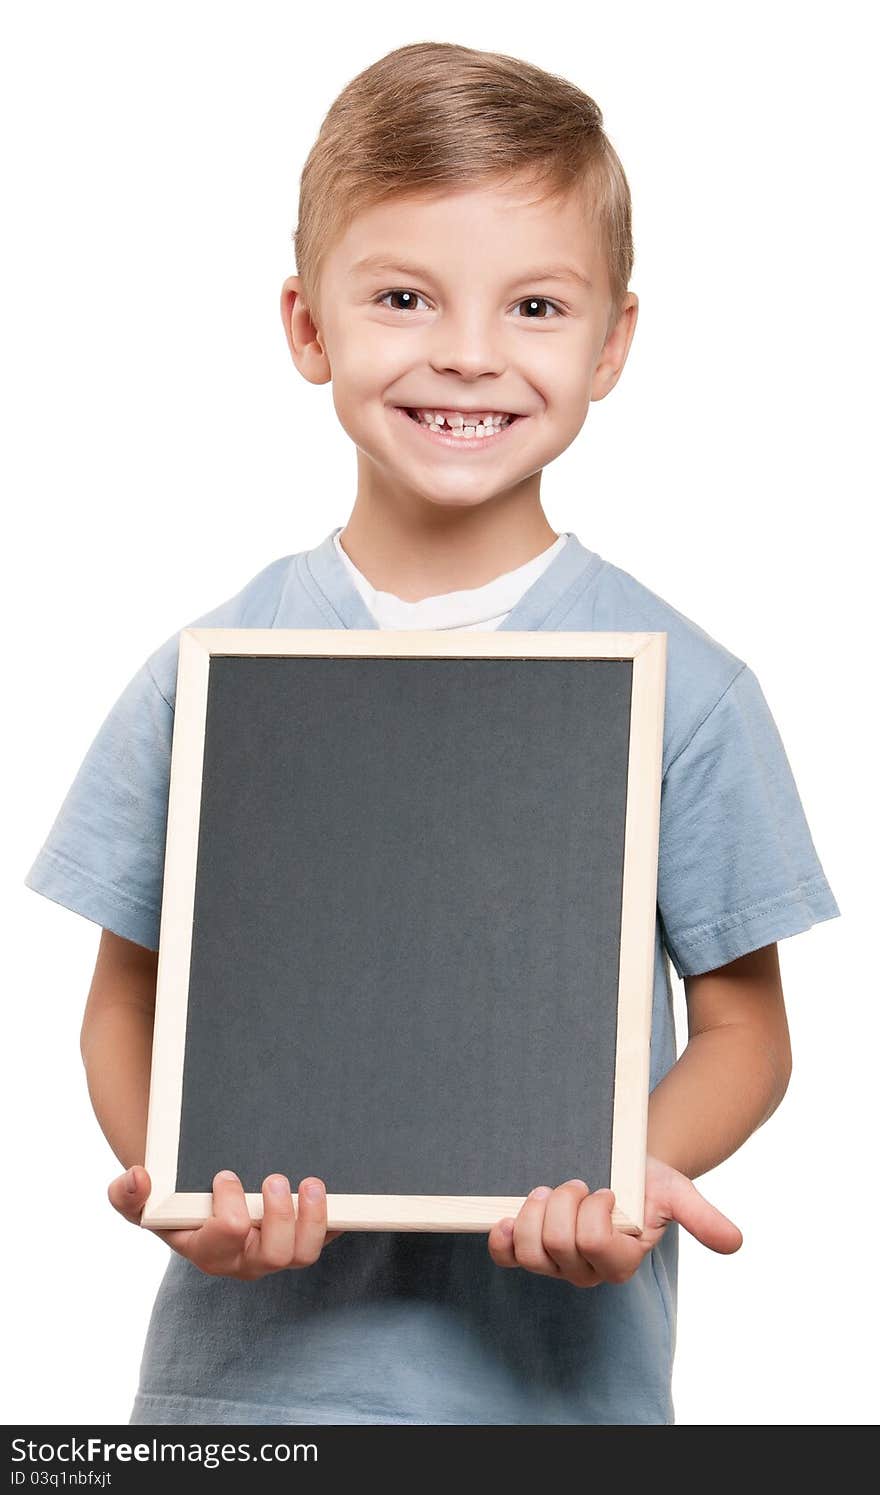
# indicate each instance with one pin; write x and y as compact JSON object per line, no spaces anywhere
{"x":432,"y":116}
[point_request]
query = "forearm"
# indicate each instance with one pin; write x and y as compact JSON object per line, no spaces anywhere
{"x":723,"y":1087}
{"x":116,"y":1051}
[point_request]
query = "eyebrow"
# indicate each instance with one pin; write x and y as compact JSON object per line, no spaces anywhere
{"x":374,"y":262}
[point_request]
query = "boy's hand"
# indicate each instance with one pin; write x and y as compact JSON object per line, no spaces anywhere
{"x":567,"y":1232}
{"x":229,"y":1244}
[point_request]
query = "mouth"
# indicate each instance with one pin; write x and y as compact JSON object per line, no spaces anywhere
{"x":452,"y":430}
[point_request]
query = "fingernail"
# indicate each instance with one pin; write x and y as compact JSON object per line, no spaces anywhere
{"x":507,"y":1227}
{"x":227,"y":1173}
{"x":131,"y":1181}
{"x":278,"y":1185}
{"x":540,"y":1193}
{"x":313,"y":1191}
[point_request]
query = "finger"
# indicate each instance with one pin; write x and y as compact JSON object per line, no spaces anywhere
{"x":702,"y":1219}
{"x":180,"y":1241}
{"x":311,"y":1222}
{"x":129,"y":1193}
{"x":612,"y":1255}
{"x":275,"y":1247}
{"x":528,"y":1229}
{"x":219,"y":1244}
{"x":559,"y":1233}
{"x":500,"y":1243}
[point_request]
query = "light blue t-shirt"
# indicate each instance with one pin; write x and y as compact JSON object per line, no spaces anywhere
{"x":424,"y":1328}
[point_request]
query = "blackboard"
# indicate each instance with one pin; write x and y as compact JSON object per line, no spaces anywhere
{"x":407,"y":926}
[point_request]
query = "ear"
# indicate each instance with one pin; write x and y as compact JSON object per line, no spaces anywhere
{"x":303,"y":337}
{"x":617,"y":345}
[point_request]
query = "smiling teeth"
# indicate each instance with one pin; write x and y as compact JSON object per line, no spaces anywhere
{"x":488,"y":425}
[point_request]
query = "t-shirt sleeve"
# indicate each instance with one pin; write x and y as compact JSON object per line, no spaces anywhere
{"x":104,"y":856}
{"x":737,"y":866}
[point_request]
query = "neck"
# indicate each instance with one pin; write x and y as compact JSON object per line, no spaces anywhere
{"x":417,"y":552}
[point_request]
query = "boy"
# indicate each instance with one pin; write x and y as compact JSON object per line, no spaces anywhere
{"x":464,"y":251}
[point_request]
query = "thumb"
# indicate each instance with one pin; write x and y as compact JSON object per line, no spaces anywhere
{"x":701,"y":1219}
{"x":129,"y":1193}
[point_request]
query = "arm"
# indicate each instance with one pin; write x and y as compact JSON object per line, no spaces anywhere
{"x":729,"y":1080}
{"x":733,"y":1072}
{"x":116,"y":1042}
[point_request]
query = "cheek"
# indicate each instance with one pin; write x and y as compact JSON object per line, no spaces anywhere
{"x":568,"y":397}
{"x":360,"y":387}
{"x":364,"y":373}
{"x":559,"y":378}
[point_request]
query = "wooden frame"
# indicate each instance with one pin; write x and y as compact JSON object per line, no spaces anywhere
{"x":167,"y":1209}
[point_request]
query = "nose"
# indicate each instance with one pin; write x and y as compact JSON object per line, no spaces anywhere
{"x":468,"y":347}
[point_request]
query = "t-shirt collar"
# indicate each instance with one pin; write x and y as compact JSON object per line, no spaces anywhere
{"x":545,"y":602}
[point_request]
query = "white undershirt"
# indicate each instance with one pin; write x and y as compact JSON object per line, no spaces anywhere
{"x":474,"y":608}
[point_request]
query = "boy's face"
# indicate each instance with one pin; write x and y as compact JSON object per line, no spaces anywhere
{"x":455,"y":316}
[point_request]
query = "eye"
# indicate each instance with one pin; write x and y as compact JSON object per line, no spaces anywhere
{"x":412,"y":297}
{"x":534,"y":301}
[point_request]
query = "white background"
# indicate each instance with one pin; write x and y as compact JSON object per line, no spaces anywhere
{"x":161,"y":449}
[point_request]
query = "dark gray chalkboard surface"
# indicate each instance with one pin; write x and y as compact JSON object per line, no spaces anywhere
{"x":401,"y":874}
